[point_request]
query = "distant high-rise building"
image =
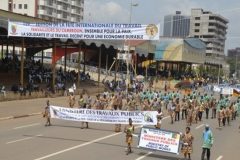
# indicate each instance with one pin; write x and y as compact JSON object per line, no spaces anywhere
{"x":52,"y":10}
{"x":212,"y":29}
{"x":232,"y":53}
{"x":176,"y":25}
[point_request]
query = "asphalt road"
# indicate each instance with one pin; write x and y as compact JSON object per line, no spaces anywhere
{"x":28,"y":139}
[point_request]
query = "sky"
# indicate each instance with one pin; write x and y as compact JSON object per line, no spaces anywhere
{"x":153,"y":11}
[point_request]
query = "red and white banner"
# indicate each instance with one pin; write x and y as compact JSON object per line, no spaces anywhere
{"x":160,"y":140}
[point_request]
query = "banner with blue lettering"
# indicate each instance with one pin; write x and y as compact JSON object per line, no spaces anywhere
{"x":75,"y":30}
{"x":104,"y":116}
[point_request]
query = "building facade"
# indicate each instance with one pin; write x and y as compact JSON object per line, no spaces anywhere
{"x":212,"y":29}
{"x":176,"y":25}
{"x":232,"y":53}
{"x":52,"y":10}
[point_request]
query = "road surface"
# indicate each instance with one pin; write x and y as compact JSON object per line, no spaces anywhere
{"x":28,"y":139}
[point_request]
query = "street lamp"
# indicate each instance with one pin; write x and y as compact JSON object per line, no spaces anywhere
{"x":131,"y":6}
{"x":236,"y":72}
{"x":127,"y":59}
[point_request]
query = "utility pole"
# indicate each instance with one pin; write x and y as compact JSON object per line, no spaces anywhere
{"x":236,"y":71}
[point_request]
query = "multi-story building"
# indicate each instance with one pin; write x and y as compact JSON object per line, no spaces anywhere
{"x":232,"y":53}
{"x":212,"y":29}
{"x":52,"y":10}
{"x":176,"y":25}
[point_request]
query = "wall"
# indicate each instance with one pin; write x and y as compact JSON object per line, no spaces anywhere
{"x":30,"y":11}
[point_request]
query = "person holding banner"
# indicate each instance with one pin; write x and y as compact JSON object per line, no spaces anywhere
{"x":187,"y":140}
{"x":129,"y":130}
{"x":159,"y":118}
{"x":46,"y":114}
{"x":71,"y":100}
{"x":82,"y":104}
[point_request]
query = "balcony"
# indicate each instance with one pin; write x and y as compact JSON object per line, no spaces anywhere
{"x":59,"y":7}
{"x":65,"y":1}
{"x":41,"y":12}
{"x":59,"y":16}
{"x":42,"y":3}
{"x":73,"y":3}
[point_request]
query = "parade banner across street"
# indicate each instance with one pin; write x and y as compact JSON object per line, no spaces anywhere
{"x":75,"y":30}
{"x":160,"y":140}
{"x":104,"y":116}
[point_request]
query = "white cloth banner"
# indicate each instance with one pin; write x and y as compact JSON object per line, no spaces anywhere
{"x":74,"y":30}
{"x":104,"y":116}
{"x":160,"y":140}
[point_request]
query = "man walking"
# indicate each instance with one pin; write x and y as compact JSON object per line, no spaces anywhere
{"x":207,"y":142}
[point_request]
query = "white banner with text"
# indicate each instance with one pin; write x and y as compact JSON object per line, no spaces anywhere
{"x":160,"y":140}
{"x":75,"y":30}
{"x":104,"y":116}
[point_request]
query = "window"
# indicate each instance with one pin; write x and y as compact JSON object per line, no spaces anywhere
{"x":197,"y":18}
{"x":10,"y":6}
{"x":65,"y":7}
{"x":64,"y":15}
{"x":50,"y":2}
{"x":197,"y":24}
{"x":19,"y":6}
{"x":25,"y":6}
{"x":196,"y":30}
{"x":210,"y":30}
{"x":211,"y":18}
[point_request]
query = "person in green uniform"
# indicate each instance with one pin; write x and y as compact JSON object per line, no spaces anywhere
{"x":207,"y":142}
{"x":129,"y":130}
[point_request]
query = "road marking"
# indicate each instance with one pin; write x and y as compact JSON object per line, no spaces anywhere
{"x":25,"y":126}
{"x":200,"y":126}
{"x":23,"y":139}
{"x":145,"y":155}
{"x":78,"y":146}
{"x":85,"y":144}
{"x":219,"y":158}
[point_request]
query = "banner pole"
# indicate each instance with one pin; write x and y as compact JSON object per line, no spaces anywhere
{"x":79,"y":65}
{"x":22,"y":64}
{"x":54,"y":65}
{"x":99,"y":65}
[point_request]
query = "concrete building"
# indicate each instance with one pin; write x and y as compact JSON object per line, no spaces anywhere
{"x":52,"y":10}
{"x":232,"y":53}
{"x":212,"y":29}
{"x":176,"y":25}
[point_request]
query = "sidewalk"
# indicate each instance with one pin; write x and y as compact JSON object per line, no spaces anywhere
{"x":30,"y":107}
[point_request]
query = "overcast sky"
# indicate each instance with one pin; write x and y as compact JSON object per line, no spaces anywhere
{"x":153,"y":11}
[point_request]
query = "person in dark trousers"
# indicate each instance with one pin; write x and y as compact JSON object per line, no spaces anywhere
{"x":177,"y":110}
{"x":207,"y":109}
{"x":184,"y":109}
{"x":207,"y":142}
